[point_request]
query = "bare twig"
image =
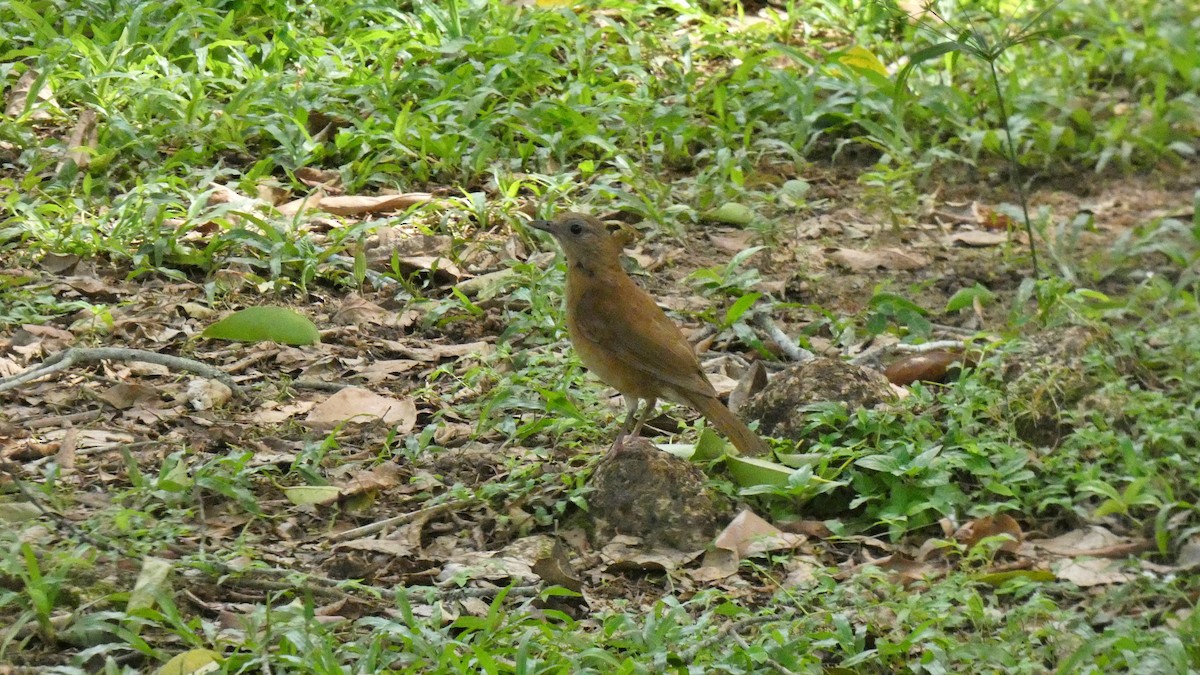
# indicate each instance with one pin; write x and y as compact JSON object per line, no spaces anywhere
{"x":401,"y":519}
{"x":66,"y":359}
{"x":786,"y":344}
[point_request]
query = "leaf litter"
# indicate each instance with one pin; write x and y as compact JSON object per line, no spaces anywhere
{"x":475,"y":544}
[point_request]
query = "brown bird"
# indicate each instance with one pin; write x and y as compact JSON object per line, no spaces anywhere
{"x":625,"y":339}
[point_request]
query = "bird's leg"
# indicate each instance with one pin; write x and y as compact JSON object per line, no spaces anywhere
{"x":631,"y":404}
{"x":650,"y":403}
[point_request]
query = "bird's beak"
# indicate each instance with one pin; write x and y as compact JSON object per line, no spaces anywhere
{"x":543,"y":225}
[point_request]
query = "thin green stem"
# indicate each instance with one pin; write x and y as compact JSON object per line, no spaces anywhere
{"x":1015,"y":172}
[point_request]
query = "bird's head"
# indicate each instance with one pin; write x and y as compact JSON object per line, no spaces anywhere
{"x":586,"y":238}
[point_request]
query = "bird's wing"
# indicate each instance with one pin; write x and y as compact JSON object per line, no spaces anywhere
{"x":624,"y":321}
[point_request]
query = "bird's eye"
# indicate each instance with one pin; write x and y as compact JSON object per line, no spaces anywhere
{"x":576,"y":228}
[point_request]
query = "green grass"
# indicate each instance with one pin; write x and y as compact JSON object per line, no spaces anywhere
{"x":665,"y":111}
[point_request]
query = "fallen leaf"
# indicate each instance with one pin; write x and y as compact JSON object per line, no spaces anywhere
{"x":152,"y":583}
{"x":882,"y":258}
{"x":356,"y":405}
{"x":353,"y":205}
{"x":312,"y":495}
{"x":381,"y":477}
{"x":356,"y":310}
{"x":192,"y":662}
{"x":312,"y":177}
{"x":979,"y":238}
{"x":123,"y":396}
{"x":1092,"y":572}
{"x":84,"y":137}
{"x":748,"y":534}
{"x":973,"y":532}
{"x":377,"y":371}
{"x":1079,"y":542}
{"x":801,"y":572}
{"x":437,"y":352}
{"x":18,"y":98}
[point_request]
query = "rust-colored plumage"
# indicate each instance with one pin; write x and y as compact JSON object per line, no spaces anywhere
{"x":625,"y":339}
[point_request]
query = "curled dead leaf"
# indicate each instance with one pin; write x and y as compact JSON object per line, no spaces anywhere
{"x":973,"y":532}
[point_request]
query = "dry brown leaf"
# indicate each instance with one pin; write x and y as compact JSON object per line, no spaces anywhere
{"x":731,"y":241}
{"x":356,"y":405}
{"x":381,"y":477}
{"x":59,"y":263}
{"x":515,"y":562}
{"x":979,"y":238}
{"x":356,"y":310}
{"x":8,"y":367}
{"x":801,"y":571}
{"x":273,"y":413}
{"x":353,"y":205}
{"x":444,"y":270}
{"x":378,"y":371}
{"x":124,"y":396}
{"x":628,"y":553}
{"x":1092,"y":572}
{"x":882,"y":258}
{"x":906,"y":569}
{"x":271,"y":192}
{"x":401,"y":548}
{"x":83,"y":138}
{"x":971,"y":533}
{"x":748,"y":535}
{"x":18,"y":98}
{"x":312,"y":177}
{"x":32,"y":341}
{"x":815,"y":529}
{"x":1078,"y":542}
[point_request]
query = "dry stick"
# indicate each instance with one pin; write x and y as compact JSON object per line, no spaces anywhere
{"x":401,"y":519}
{"x":60,"y":420}
{"x":272,"y":579}
{"x":786,"y":344}
{"x":66,"y":359}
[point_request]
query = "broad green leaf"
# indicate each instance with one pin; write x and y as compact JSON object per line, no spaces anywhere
{"x":731,"y":213}
{"x":710,"y":446}
{"x":752,"y":472}
{"x":740,"y":307}
{"x":965,"y":297}
{"x":265,"y":324}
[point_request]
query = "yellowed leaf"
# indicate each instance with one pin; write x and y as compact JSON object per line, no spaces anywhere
{"x":862,"y":59}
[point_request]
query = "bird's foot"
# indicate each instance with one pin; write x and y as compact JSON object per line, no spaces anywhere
{"x":618,"y":445}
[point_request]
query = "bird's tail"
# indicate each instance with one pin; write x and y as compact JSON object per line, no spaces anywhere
{"x":745,"y":440}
